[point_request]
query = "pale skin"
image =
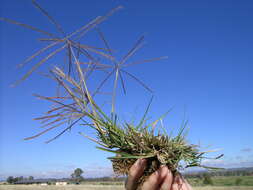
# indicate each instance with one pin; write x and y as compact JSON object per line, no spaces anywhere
{"x":162,"y":179}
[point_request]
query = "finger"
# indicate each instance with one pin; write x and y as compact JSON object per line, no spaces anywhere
{"x":167,"y":182}
{"x":135,"y":173}
{"x":186,"y":183}
{"x":174,"y":186}
{"x":176,"y":183}
{"x":179,"y":183}
{"x":154,"y":181}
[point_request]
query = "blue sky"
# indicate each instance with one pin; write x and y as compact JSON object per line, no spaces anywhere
{"x":208,"y":75}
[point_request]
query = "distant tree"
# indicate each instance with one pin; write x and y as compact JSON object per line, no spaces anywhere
{"x":207,"y":180}
{"x":77,"y":175}
{"x":10,"y":179}
{"x":30,"y":178}
{"x":78,"y":172}
{"x":238,"y":181}
{"x":15,"y":179}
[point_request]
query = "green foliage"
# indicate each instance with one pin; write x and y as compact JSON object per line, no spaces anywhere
{"x":10,"y":179}
{"x":207,"y":180}
{"x":77,"y":175}
{"x":222,"y":180}
{"x":238,"y":181}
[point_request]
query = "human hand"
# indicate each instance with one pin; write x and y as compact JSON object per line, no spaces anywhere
{"x":162,"y":179}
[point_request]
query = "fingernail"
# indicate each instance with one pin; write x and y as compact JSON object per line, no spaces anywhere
{"x":164,"y":171}
{"x":143,"y":162}
{"x":178,"y":179}
{"x":138,"y":162}
{"x":159,"y":171}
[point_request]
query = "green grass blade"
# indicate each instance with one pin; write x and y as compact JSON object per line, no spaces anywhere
{"x":145,"y":114}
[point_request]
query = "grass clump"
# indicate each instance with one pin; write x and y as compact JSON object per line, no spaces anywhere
{"x":127,"y":141}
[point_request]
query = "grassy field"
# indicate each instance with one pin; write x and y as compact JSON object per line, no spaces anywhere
{"x":220,"y":183}
{"x":225,"y":181}
{"x":104,"y":187}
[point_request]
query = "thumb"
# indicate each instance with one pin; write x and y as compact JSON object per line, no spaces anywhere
{"x":135,"y":172}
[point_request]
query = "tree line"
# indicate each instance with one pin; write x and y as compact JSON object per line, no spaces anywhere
{"x":205,"y":177}
{"x":12,"y":179}
{"x":225,"y":172}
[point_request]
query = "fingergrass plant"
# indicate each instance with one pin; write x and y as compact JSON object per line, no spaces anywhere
{"x":77,"y":104}
{"x":127,"y":141}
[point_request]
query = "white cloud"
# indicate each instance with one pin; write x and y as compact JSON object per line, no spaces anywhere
{"x":235,"y":162}
{"x":98,"y":171}
{"x":246,"y":150}
{"x":64,"y":171}
{"x":39,"y":174}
